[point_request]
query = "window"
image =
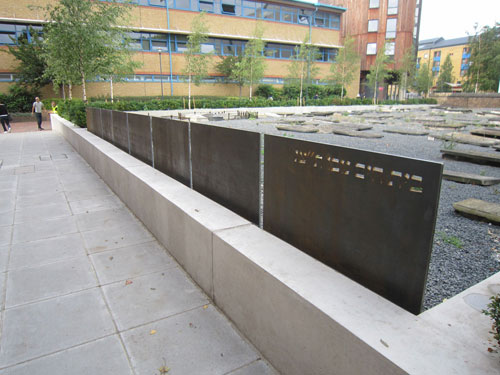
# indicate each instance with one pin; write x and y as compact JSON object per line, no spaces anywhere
{"x":183,"y":4}
{"x":206,"y":5}
{"x":248,"y":9}
{"x":228,"y":7}
{"x":288,"y":14}
{"x":371,"y":48}
{"x":335,"y":21}
{"x":389,"y":48}
{"x":374,"y":3}
{"x":270,"y":12}
{"x":372,"y":26}
{"x":392,"y":6}
{"x":390,"y":31}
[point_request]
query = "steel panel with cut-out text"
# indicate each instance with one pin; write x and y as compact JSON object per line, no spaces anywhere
{"x":140,"y":137}
{"x":107,"y":125}
{"x":171,"y":148}
{"x":120,"y":130}
{"x":225,"y":165}
{"x":370,"y":216}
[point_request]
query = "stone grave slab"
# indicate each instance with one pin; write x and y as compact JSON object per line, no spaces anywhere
{"x":487,"y":132}
{"x":473,"y":156}
{"x":467,"y":139}
{"x":406,"y":131}
{"x":480,"y":209}
{"x":355,"y":133}
{"x":298,"y":128}
{"x":444,"y":125}
{"x":469,"y":178}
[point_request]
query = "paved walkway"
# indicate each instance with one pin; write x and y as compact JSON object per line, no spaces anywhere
{"x":86,"y":289}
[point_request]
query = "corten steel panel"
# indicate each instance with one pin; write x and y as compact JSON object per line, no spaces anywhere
{"x":94,"y":121}
{"x":225,"y":167}
{"x":107,"y":124}
{"x":171,"y":148}
{"x":120,"y":133}
{"x":140,"y":137}
{"x":370,"y":216}
{"x":90,"y":119}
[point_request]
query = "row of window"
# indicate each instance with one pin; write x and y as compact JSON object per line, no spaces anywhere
{"x":390,"y":29}
{"x":371,"y":48}
{"x":253,"y":9}
{"x":219,"y":46}
{"x":392,"y":5}
{"x":10,"y":32}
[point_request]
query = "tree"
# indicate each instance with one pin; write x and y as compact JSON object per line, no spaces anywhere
{"x":302,"y":67}
{"x":32,"y":66}
{"x":346,"y":65}
{"x":423,"y":79}
{"x":407,"y":71}
{"x":378,"y":72}
{"x":229,"y":66}
{"x":82,"y":40}
{"x":252,"y":66}
{"x":196,"y":66}
{"x":445,"y":75}
{"x":484,"y":68}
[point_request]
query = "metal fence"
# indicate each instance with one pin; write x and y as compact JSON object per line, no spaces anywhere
{"x":371,"y":216}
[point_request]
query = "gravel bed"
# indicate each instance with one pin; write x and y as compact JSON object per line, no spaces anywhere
{"x":465,"y":251}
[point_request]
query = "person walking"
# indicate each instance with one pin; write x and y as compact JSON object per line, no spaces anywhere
{"x":4,"y":118}
{"x":38,"y":110}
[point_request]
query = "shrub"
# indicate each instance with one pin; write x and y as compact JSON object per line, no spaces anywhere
{"x":19,"y":99}
{"x":74,"y":111}
{"x":265,"y":91}
{"x":494,"y":313}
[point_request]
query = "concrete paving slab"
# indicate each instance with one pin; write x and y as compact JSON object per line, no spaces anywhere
{"x":4,"y":259}
{"x":473,"y":156}
{"x":132,"y":261}
{"x":40,"y":213}
{"x":39,"y":230}
{"x":467,"y":139}
{"x":152,"y":297}
{"x":77,"y":192}
{"x":298,"y":128}
{"x":49,"y":280}
{"x":40,"y":199}
{"x":95,"y":204}
{"x":200,"y":341}
{"x":8,"y":202}
{"x":37,"y":253}
{"x":6,"y":218}
{"x":112,"y":238}
{"x":5,"y":234}
{"x":480,"y":209}
{"x":258,"y":367}
{"x":105,"y":219}
{"x":469,"y":178}
{"x":406,"y":130}
{"x":42,"y":328}
{"x":102,"y":357}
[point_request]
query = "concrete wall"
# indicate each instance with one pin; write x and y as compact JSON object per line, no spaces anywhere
{"x":304,"y":317}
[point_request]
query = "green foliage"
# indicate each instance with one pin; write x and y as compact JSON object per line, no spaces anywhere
{"x":407,"y":70}
{"x":74,"y":111}
{"x":31,"y":68}
{"x":252,"y":66}
{"x":452,"y":240}
{"x":302,"y":69}
{"x":494,"y":313}
{"x":229,"y":66}
{"x":378,"y":72}
{"x":19,"y":98}
{"x":423,"y":79}
{"x":82,"y":41}
{"x":445,"y":75}
{"x":266,"y":91}
{"x":197,"y":63}
{"x":484,"y":68}
{"x":346,"y":65}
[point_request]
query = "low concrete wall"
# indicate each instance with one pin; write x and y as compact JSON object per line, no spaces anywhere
{"x":304,"y":317}
{"x":467,"y":100}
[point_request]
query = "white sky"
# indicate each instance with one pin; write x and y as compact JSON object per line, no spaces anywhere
{"x":454,"y":18}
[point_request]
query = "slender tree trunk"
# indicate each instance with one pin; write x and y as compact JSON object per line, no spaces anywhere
{"x":63,"y":92}
{"x":70,"y":90}
{"x":241,"y":87}
{"x":84,"y":88}
{"x":189,"y":91}
{"x":251,"y":80}
{"x":111,"y":88}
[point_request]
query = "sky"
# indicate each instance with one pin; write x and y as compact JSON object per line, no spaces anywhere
{"x":454,"y":18}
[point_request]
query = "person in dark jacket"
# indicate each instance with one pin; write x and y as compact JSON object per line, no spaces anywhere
{"x":4,"y":118}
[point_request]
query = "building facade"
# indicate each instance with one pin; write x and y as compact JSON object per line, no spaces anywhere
{"x":373,"y":24}
{"x":160,"y":30}
{"x":434,"y":52}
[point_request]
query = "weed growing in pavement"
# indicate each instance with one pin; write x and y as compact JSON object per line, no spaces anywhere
{"x":452,"y":240}
{"x":493,"y":312}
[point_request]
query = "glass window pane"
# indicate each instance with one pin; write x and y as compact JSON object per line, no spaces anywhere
{"x":159,"y":45}
{"x":207,"y":48}
{"x":371,"y":48}
{"x":5,"y":38}
{"x":372,"y":26}
{"x":374,"y":3}
{"x":145,"y":45}
{"x":249,"y":12}
{"x":335,"y":21}
{"x":286,"y":53}
{"x":182,"y":4}
{"x":389,"y":48}
{"x":391,"y":28}
{"x":228,"y":8}
{"x":157,"y":2}
{"x":7,"y":27}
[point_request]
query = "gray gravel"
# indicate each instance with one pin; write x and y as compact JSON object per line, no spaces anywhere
{"x":465,"y":251}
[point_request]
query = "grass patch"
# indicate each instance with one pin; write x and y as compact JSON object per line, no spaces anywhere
{"x":452,"y":240}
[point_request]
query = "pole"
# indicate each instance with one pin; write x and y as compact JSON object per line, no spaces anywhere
{"x":169,"y":50}
{"x":161,"y":77}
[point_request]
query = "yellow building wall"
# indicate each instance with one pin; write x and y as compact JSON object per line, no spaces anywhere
{"x":455,"y":52}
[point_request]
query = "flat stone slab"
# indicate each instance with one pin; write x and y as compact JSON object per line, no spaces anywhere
{"x":474,"y":156}
{"x":431,"y":120}
{"x":298,"y":128}
{"x":444,"y":125}
{"x":406,"y":131}
{"x":467,"y":139}
{"x":355,"y":133}
{"x":480,"y":209}
{"x":469,"y":178}
{"x":486,"y":132}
